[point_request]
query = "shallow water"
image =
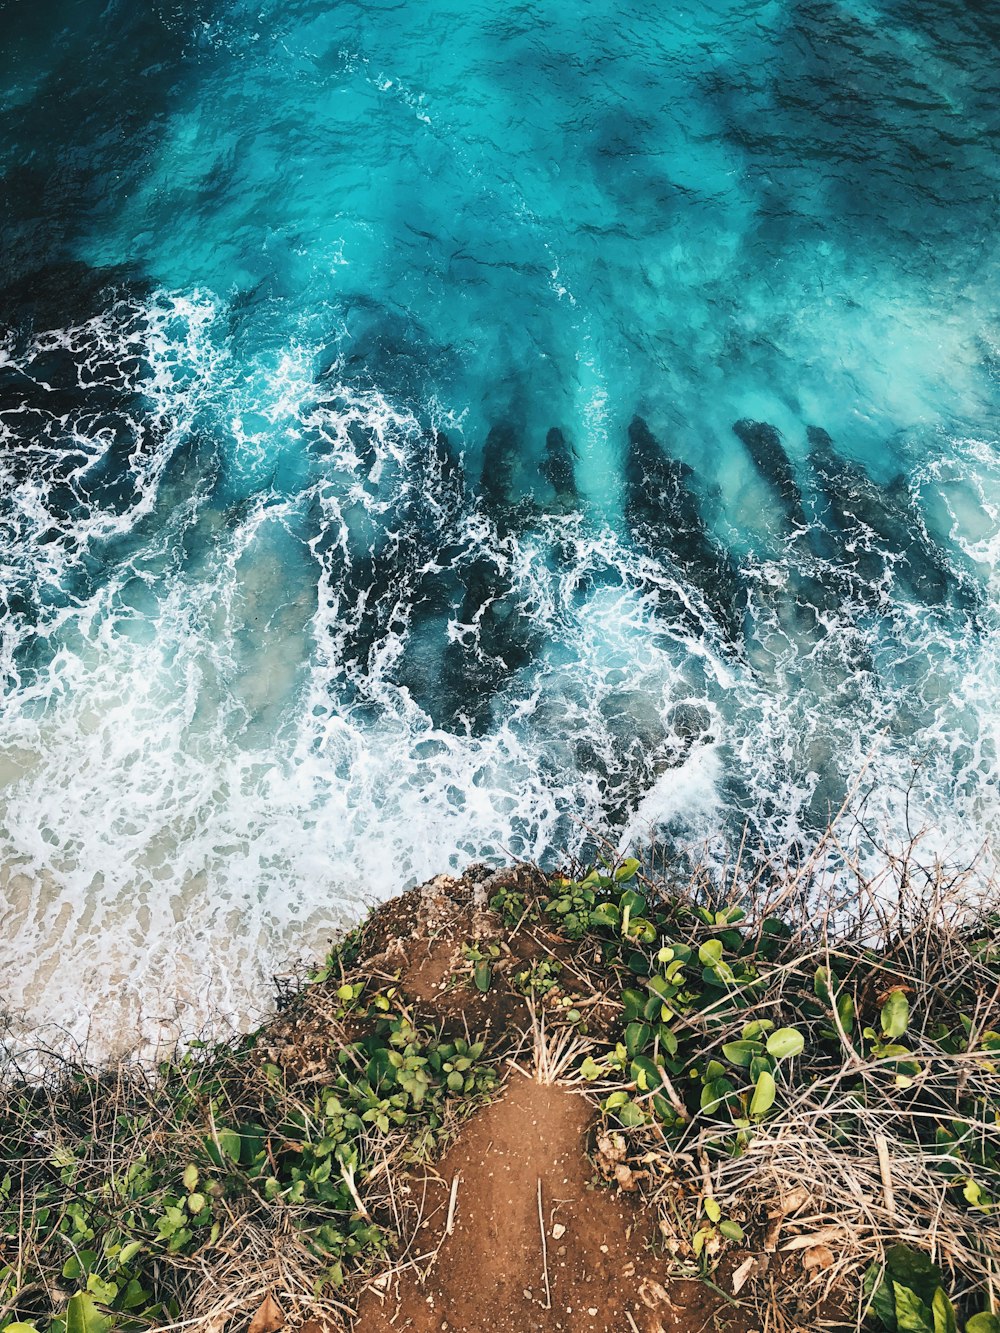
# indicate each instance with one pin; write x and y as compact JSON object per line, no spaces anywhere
{"x":302,"y":599}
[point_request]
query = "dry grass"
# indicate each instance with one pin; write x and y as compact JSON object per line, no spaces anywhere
{"x":76,"y":1136}
{"x":847,"y":1166}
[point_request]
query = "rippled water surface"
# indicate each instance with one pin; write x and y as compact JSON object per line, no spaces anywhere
{"x":429,"y":431}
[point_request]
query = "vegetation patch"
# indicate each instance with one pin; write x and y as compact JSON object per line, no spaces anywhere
{"x":127,"y":1194}
{"x":809,"y":1117}
{"x":781,"y":1089}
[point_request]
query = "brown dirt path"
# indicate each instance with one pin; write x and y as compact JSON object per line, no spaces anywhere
{"x":489,"y":1273}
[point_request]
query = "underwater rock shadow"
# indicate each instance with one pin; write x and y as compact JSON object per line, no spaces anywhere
{"x":663,"y":518}
{"x":881,"y":535}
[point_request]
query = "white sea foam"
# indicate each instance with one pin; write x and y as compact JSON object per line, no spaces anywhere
{"x":201,"y":778}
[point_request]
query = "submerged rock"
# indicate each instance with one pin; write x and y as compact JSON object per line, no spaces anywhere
{"x":762,"y":442}
{"x":558,"y":467}
{"x":496,"y":637}
{"x":882,"y":536}
{"x":496,"y":479}
{"x":663,"y":517}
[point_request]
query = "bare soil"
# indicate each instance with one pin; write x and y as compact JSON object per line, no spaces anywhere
{"x":490,"y":1272}
{"x":601,"y":1267}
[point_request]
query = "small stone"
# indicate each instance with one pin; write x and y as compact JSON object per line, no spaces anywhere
{"x":604,"y":1249}
{"x":592,"y":1311}
{"x":558,"y":1231}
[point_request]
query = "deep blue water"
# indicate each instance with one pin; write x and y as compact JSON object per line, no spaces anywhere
{"x":434,"y":432}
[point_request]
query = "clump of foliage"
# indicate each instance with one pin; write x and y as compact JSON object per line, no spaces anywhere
{"x":907,"y":1295}
{"x":752,"y":1072}
{"x":117,"y":1190}
{"x":831,"y":1058}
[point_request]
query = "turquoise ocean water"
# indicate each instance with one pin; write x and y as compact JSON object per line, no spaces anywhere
{"x":434,"y":432}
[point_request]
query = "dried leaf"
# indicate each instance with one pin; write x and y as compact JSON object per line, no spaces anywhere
{"x":742,"y":1274}
{"x":821,"y":1237}
{"x":611,"y":1149}
{"x":817,"y":1257}
{"x":773,"y":1232}
{"x":793,"y":1200}
{"x":627,"y":1178}
{"x":269,"y":1317}
{"x":652,"y":1294}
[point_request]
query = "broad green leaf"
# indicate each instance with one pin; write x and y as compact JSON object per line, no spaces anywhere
{"x":606,"y":914}
{"x":758,"y":1065}
{"x":710,"y":953}
{"x":82,"y":1316}
{"x":784,"y":1043}
{"x":983,"y":1323}
{"x":890,"y":1051}
{"x":135,"y":1294}
{"x":943,"y":1312}
{"x":878,"y":1294}
{"x":845,"y":1010}
{"x":895,"y":1014}
{"x":712,"y":1210}
{"x":630,"y":1115}
{"x":190,"y":1178}
{"x":78,"y":1264}
{"x":633,"y":902}
{"x":483,"y":975}
{"x":642,"y":930}
{"x":742,"y":1052}
{"x":777,"y":928}
{"x":714,"y":1093}
{"x":764,"y":1094}
{"x":914,"y":1269}
{"x":912,"y":1315}
{"x":821,"y":984}
{"x":230,"y":1143}
{"x":731,"y":1230}
{"x":129,"y":1252}
{"x":627,"y":870}
{"x":637,"y":1035}
{"x":645,"y":1074}
{"x":102,"y":1291}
